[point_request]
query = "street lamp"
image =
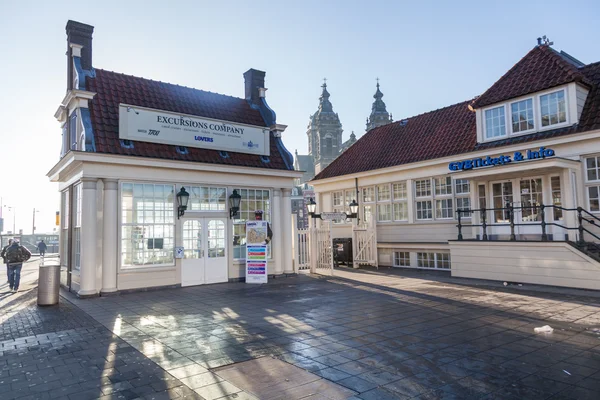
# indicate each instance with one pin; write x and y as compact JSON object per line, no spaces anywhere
{"x":312,"y":207}
{"x":182,"y":202}
{"x":234,"y":203}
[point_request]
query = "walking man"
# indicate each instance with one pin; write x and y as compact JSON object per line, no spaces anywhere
{"x":4,"y":257}
{"x":42,"y":248}
{"x":16,"y":256}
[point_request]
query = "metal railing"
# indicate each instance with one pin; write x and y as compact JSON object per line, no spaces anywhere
{"x":582,"y":217}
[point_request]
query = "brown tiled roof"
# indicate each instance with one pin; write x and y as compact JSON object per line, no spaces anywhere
{"x":542,"y":68}
{"x":446,"y":132}
{"x":113,"y":88}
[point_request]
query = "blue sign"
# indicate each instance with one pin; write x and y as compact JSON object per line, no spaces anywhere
{"x":500,"y":160}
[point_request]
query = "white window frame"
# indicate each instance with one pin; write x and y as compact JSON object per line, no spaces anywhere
{"x":537,"y":115}
{"x":525,"y":132}
{"x":384,"y":204}
{"x":591,"y":182}
{"x":371,"y":203}
{"x":462,"y":195}
{"x":135,"y":267}
{"x":484,"y":120}
{"x":238,"y":222}
{"x":338,"y":206}
{"x":397,"y":258}
{"x":539,"y":101}
{"x":436,"y":257}
{"x":399,"y":201}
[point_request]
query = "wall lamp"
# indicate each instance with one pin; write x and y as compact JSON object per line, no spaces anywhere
{"x":234,"y":203}
{"x":312,"y":207}
{"x":182,"y":202}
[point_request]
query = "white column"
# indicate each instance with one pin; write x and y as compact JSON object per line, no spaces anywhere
{"x":88,"y":238}
{"x":110,"y":235}
{"x":286,"y":219}
{"x":277,"y":244}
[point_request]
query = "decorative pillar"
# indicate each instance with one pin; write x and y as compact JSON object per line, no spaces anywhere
{"x":276,"y":246}
{"x":88,"y":238}
{"x":109,"y":236}
{"x":286,"y":220}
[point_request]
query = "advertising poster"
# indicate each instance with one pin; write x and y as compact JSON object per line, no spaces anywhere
{"x":256,"y":252}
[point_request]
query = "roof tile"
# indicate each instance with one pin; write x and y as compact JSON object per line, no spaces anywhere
{"x":112,"y":88}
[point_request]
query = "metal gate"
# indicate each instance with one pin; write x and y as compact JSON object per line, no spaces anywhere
{"x":364,"y":245}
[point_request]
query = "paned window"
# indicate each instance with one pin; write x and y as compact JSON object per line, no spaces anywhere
{"x":423,"y":188}
{"x":207,"y":198}
{"x":443,"y":209}
{"x":367,"y":213}
{"x":337,"y":199}
{"x":400,"y":198}
{"x":424,"y":210}
{"x":148,"y":225}
{"x":384,"y":212}
{"x":462,"y":186}
{"x":553,"y":108}
{"x":594,"y":198}
{"x":433,"y":260}
{"x":495,"y":123}
{"x":368,"y":195}
{"x":592,"y":165}
{"x":399,"y":190}
{"x":443,"y":186}
{"x":401,"y":259}
{"x":426,"y":260}
{"x":383,"y":193}
{"x":463,"y":203}
{"x":77,"y":202}
{"x":251,"y":201}
{"x":531,"y":198}
{"x":522,"y":115}
{"x":556,"y":197}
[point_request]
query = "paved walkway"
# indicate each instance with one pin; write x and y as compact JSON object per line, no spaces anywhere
{"x":381,"y":335}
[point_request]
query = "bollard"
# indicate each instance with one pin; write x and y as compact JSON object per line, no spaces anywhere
{"x":48,"y":284}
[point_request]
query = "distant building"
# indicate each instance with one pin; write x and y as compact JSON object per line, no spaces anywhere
{"x":324,"y":133}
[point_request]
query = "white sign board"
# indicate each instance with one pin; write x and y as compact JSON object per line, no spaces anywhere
{"x":333,"y":216}
{"x":157,"y":126}
{"x":256,"y":252}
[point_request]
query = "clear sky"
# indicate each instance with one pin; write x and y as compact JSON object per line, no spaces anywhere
{"x":427,"y":54}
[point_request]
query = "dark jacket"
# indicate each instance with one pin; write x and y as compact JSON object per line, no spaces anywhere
{"x":42,"y":246}
{"x":23,"y":250}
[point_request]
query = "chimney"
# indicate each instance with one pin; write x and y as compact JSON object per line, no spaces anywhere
{"x":79,"y":43}
{"x":254,"y":81}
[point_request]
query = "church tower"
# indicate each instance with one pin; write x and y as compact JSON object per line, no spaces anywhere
{"x":324,"y":133}
{"x":379,"y":115}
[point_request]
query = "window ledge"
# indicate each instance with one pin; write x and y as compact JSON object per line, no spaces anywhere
{"x":124,"y":270}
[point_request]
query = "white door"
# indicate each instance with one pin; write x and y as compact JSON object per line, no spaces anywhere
{"x":205,"y":253}
{"x":530,"y":197}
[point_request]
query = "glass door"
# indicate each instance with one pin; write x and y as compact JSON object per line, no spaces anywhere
{"x":501,"y":195}
{"x":192,"y":265}
{"x":531,"y":196}
{"x":204,"y":251}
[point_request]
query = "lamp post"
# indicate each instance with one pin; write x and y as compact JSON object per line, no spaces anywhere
{"x":182,"y":201}
{"x":33,"y":224}
{"x":14,"y":211}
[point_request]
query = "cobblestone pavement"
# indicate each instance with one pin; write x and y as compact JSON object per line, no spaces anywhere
{"x":382,"y":335}
{"x":60,"y":352}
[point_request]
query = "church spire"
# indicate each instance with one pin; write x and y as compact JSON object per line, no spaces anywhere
{"x":324,"y":103}
{"x":379,"y":115}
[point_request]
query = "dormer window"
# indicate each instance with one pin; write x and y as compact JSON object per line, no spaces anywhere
{"x":538,"y":112}
{"x":495,"y":123}
{"x":522,"y":115}
{"x":553,"y":108}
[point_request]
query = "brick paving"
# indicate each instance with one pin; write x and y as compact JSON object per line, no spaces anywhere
{"x":380,"y":334}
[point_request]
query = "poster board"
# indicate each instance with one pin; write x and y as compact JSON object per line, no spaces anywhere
{"x":256,"y":251}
